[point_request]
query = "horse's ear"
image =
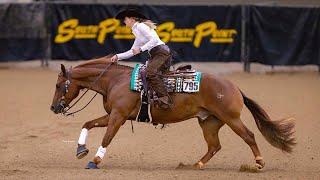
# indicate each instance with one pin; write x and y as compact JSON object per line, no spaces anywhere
{"x":63,"y":69}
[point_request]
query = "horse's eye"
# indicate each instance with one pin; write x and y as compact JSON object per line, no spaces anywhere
{"x":57,"y":86}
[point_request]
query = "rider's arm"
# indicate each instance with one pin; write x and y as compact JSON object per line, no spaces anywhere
{"x":125,"y":55}
{"x":128,"y":53}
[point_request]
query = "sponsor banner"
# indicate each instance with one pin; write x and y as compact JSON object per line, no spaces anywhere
{"x":284,"y":36}
{"x":202,"y":33}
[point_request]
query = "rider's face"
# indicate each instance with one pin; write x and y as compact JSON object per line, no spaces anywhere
{"x":129,"y":21}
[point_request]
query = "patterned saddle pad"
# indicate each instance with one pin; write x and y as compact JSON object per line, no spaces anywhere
{"x":177,"y":82}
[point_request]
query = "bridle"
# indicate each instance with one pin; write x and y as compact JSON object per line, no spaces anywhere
{"x":62,"y":103}
{"x":66,"y":87}
{"x":67,"y":83}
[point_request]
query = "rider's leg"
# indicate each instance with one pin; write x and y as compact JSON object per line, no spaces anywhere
{"x":154,"y":65}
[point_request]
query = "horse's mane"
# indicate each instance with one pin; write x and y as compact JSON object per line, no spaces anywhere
{"x":105,"y":60}
{"x":101,"y":60}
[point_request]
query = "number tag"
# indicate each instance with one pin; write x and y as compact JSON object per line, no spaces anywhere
{"x":191,"y":86}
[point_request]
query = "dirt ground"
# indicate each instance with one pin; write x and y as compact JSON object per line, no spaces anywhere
{"x":37,"y":144}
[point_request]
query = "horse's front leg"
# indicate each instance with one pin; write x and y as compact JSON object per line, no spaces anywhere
{"x":116,"y":119}
{"x":82,"y":151}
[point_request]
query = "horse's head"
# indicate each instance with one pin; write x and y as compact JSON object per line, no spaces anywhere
{"x":66,"y":91}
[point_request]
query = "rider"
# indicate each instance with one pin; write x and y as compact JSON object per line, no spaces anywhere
{"x":146,"y":38}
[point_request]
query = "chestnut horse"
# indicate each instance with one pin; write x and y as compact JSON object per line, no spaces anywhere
{"x":217,"y":103}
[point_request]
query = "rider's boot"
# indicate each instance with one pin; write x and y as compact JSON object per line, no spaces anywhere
{"x":165,"y":102}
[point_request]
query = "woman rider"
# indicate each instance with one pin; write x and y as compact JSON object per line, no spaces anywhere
{"x":146,"y":39}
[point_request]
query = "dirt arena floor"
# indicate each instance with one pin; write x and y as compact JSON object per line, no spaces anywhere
{"x":37,"y":144}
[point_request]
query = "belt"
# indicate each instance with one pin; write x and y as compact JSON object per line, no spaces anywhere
{"x":156,"y":48}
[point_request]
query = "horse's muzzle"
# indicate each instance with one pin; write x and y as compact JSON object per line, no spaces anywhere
{"x":57,"y":108}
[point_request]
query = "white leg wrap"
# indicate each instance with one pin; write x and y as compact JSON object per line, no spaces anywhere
{"x":101,"y":151}
{"x":83,"y":136}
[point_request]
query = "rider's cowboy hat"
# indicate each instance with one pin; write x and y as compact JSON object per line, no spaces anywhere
{"x":130,"y":12}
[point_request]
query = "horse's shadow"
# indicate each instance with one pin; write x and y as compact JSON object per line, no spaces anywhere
{"x":183,"y":167}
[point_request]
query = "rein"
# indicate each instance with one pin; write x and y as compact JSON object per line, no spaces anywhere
{"x":65,"y":112}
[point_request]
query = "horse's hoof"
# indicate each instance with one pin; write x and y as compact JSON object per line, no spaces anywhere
{"x":199,"y":165}
{"x":260,"y":164}
{"x":82,"y":151}
{"x":249,"y":168}
{"x":92,"y":165}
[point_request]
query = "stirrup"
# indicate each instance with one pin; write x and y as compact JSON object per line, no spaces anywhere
{"x":165,"y":105}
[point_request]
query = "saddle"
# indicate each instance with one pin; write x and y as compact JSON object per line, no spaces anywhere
{"x":181,"y":80}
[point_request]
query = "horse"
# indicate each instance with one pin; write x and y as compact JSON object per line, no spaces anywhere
{"x":218,"y":102}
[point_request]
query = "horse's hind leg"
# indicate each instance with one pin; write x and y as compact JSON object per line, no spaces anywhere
{"x":239,"y":128}
{"x":82,"y":151}
{"x":210,"y":128}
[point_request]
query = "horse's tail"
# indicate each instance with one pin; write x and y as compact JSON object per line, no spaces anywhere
{"x":278,"y":133}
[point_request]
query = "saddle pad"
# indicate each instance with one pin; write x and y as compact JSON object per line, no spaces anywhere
{"x":179,"y":83}
{"x":136,"y":82}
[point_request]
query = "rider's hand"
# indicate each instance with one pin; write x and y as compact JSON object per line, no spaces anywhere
{"x":136,"y":51}
{"x":114,"y":58}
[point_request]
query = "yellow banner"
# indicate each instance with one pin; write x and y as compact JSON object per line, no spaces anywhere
{"x":71,"y":29}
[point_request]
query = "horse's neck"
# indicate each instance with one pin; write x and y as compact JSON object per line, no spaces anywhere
{"x":85,"y":77}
